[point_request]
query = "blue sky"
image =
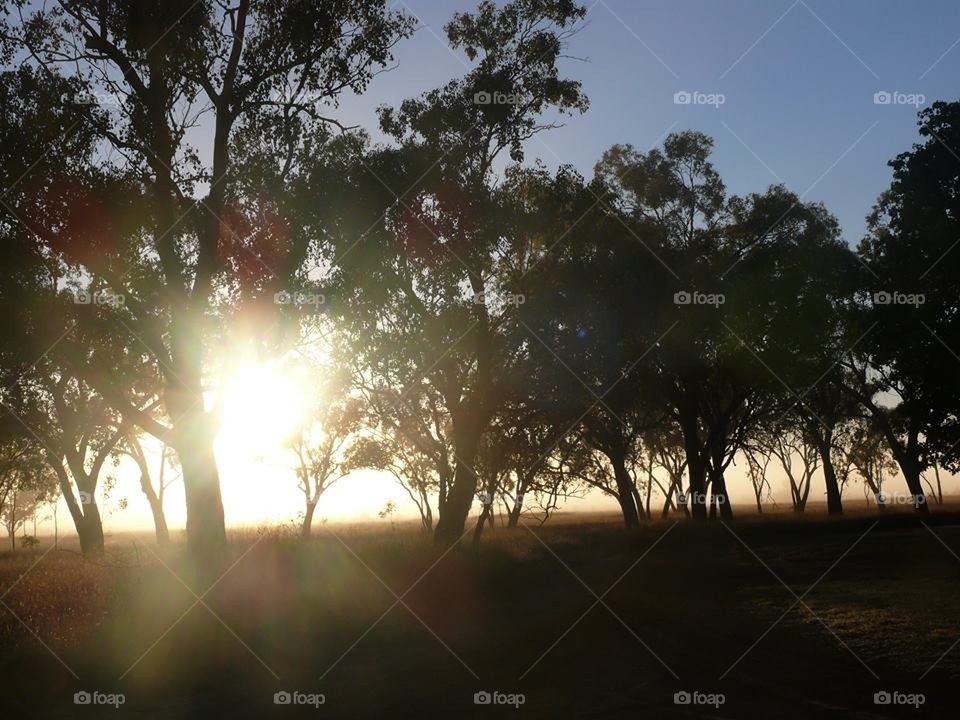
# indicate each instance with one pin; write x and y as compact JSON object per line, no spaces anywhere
{"x":798,"y":80}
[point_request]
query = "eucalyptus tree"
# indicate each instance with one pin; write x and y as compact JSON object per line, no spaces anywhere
{"x":906,"y":368}
{"x":430,"y":280}
{"x":457,"y":264}
{"x":187,"y":88}
{"x":676,"y":207}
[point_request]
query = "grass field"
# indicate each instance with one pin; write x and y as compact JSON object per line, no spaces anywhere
{"x":577,"y":617}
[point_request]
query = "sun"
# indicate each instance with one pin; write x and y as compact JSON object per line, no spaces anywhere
{"x":262,"y":407}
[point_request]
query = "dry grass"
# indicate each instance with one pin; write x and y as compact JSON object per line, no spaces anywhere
{"x":309,"y":610}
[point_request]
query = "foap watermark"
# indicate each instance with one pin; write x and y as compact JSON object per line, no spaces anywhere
{"x":100,"y":297}
{"x":895,"y":697}
{"x":697,"y":498}
{"x":95,"y":697}
{"x":300,"y":300}
{"x":295,"y":697}
{"x":685,"y":297}
{"x":898,"y":298}
{"x":515,"y":299}
{"x":686,"y":97}
{"x":92,"y":97}
{"x":899,"y":498}
{"x":886,"y":97}
{"x":497,"y":98}
{"x":483,"y":697}
{"x":685,"y":697}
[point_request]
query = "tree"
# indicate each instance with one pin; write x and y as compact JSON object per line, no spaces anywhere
{"x":430,"y":282}
{"x":26,"y":483}
{"x":798,"y":457}
{"x":714,"y":364}
{"x":868,"y":452}
{"x":905,"y":369}
{"x":133,"y":446}
{"x":322,"y":445}
{"x":261,"y":73}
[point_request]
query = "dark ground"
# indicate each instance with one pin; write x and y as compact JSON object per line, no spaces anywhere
{"x":695,"y":611}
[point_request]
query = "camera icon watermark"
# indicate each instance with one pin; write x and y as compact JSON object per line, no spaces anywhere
{"x":695,"y":97}
{"x":484,"y":97}
{"x":495,"y":697}
{"x":899,"y":498}
{"x":885,"y":97}
{"x":100,"y":297}
{"x":305,"y":302}
{"x":295,"y":697}
{"x":684,"y":697}
{"x":95,"y":697}
{"x":685,"y":297}
{"x":895,"y":697}
{"x":898,"y":298}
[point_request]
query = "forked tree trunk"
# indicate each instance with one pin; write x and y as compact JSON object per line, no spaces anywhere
{"x":719,"y":499}
{"x":85,"y":514}
{"x":486,"y":515}
{"x":514,"y":519}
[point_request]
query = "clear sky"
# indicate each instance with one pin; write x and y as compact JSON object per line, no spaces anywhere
{"x":798,"y":80}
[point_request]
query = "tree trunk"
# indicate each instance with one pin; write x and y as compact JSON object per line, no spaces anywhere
{"x":206,"y":532}
{"x":696,"y":469}
{"x":911,"y":473}
{"x":86,"y":516}
{"x":485,"y":515}
{"x":625,"y":491}
{"x":719,"y":500}
{"x":514,"y":519}
{"x":156,"y":509}
{"x":834,"y":503}
{"x":452,"y":520}
{"x":90,"y":529}
{"x":308,"y":520}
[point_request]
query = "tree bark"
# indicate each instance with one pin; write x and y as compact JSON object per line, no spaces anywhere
{"x":156,"y":509}
{"x":452,"y":520}
{"x":911,"y":473}
{"x":514,"y":519}
{"x":308,"y":520}
{"x":696,"y":468}
{"x":834,"y":503}
{"x":206,"y":531}
{"x":719,"y":500}
{"x":625,"y":491}
{"x":90,"y":530}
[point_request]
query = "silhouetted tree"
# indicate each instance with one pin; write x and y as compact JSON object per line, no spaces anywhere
{"x":261,"y":73}
{"x":906,"y":366}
